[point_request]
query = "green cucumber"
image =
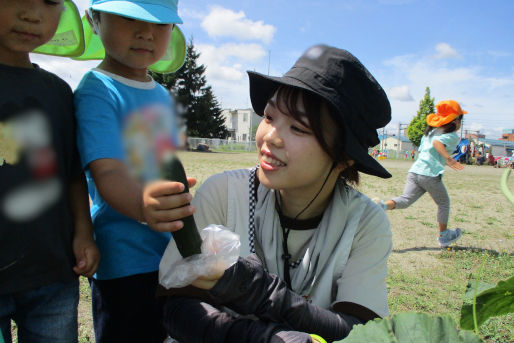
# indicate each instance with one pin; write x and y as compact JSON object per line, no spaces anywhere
{"x":188,"y":239}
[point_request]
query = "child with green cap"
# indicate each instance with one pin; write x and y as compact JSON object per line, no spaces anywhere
{"x":125,"y":127}
{"x":46,"y":235}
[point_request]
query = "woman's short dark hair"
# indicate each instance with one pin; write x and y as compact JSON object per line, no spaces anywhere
{"x":313,"y":106}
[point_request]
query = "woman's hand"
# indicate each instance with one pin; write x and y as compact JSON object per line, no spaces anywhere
{"x":207,"y":282}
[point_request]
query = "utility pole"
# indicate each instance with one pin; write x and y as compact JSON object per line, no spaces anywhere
{"x":383,"y":139}
{"x":269,"y":59}
{"x":476,"y":132}
{"x":399,"y":138}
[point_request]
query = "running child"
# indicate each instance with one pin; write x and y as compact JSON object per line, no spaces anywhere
{"x":426,"y":174}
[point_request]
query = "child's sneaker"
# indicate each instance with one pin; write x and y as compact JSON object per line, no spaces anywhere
{"x":380,"y":203}
{"x":448,"y":237}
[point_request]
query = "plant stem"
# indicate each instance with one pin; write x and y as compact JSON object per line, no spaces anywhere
{"x":475,"y":321}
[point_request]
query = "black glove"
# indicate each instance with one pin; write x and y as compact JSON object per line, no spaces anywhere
{"x":190,"y":320}
{"x":248,"y":289}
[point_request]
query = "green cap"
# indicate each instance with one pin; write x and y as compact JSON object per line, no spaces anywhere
{"x":172,"y":60}
{"x":68,"y":40}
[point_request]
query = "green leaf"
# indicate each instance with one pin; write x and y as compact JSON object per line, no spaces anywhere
{"x":489,"y":303}
{"x":417,"y":126}
{"x":481,"y":286}
{"x":411,"y":328}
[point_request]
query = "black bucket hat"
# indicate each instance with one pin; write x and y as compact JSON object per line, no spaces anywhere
{"x":360,"y":103}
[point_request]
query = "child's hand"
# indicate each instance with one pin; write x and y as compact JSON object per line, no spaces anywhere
{"x":86,"y":254}
{"x":164,"y":206}
{"x":454,"y":164}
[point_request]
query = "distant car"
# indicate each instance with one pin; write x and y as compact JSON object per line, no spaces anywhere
{"x":202,"y":147}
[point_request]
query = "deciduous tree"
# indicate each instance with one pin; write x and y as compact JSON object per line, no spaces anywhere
{"x":418,"y":123}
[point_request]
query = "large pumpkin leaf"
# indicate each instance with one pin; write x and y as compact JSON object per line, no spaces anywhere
{"x":489,"y":303}
{"x":410,"y":327}
{"x":480,"y":286}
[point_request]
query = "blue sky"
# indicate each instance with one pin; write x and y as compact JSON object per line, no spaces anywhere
{"x":462,"y":50}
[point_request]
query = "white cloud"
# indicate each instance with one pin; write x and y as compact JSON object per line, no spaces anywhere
{"x":444,"y":50}
{"x":221,"y":22}
{"x":69,"y":70}
{"x":475,"y":126}
{"x":226,"y":71}
{"x":499,"y":54}
{"x":400,"y":93}
{"x":226,"y":57}
{"x":189,"y":14}
{"x":246,"y":52}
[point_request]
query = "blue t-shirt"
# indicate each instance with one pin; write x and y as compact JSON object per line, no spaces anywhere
{"x":131,"y":121}
{"x":430,"y":162}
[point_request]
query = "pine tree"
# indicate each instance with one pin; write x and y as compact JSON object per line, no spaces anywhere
{"x":195,"y":99}
{"x":418,"y":123}
{"x":211,"y":125}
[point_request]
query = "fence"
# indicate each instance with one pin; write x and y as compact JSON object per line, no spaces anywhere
{"x":217,"y":144}
{"x":394,"y":154}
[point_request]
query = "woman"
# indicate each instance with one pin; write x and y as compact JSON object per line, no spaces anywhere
{"x":315,"y":249}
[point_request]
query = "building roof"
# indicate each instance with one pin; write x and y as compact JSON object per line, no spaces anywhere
{"x":497,"y":142}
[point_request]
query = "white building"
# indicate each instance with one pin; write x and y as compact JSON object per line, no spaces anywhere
{"x":392,"y":143}
{"x":240,"y":123}
{"x":498,"y":147}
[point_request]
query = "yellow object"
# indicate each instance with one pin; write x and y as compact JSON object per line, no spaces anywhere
{"x":503,"y":184}
{"x":316,"y":338}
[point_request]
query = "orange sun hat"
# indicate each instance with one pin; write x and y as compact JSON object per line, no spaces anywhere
{"x":447,"y":111}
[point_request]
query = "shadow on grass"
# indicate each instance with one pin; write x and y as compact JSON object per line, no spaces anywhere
{"x":455,"y":248}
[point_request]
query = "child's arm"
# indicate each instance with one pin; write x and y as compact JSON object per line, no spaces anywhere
{"x":158,"y":203}
{"x":86,"y":253}
{"x":441,"y":149}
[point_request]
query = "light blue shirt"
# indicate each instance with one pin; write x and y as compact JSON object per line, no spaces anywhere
{"x":123,"y":119}
{"x":430,"y":162}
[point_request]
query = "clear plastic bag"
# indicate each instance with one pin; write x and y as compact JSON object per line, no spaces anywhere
{"x":220,"y":250}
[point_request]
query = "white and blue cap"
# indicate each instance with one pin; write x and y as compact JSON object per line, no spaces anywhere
{"x":153,"y":11}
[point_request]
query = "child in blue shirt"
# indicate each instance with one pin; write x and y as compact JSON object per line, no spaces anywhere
{"x":425,"y":175}
{"x":125,"y":125}
{"x":46,"y":236}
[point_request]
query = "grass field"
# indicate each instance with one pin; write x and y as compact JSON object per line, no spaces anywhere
{"x":422,"y":277}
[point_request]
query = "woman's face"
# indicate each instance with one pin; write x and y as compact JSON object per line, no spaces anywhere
{"x":290,"y":157}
